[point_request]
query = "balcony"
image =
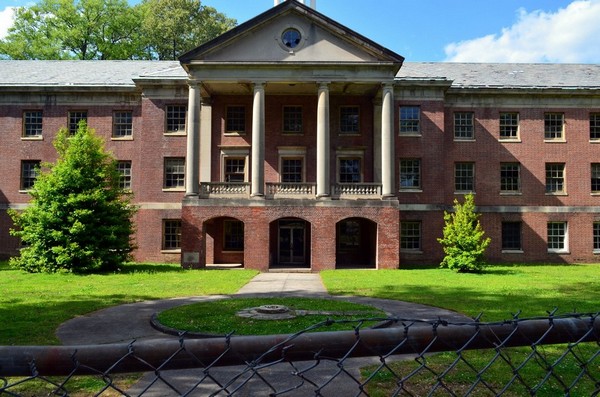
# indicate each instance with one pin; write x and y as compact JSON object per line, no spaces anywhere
{"x":340,"y":191}
{"x":224,"y":189}
{"x":356,"y":191}
{"x":291,"y":190}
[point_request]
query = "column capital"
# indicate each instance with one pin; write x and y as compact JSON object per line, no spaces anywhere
{"x":387,"y":85}
{"x":323,"y":85}
{"x":193,"y":83}
{"x":259,"y":84}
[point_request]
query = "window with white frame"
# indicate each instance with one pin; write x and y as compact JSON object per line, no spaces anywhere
{"x":234,"y":169}
{"x":410,"y":174}
{"x":510,"y":177}
{"x":292,"y":119}
{"x":124,"y":168}
{"x":464,"y":128}
{"x":511,"y":236}
{"x":233,"y":235}
{"x":32,"y":123}
{"x":171,"y":234}
{"x":464,"y":177}
{"x":174,"y":173}
{"x":557,"y":237}
{"x":410,"y":120}
{"x":594,"y":126}
{"x":349,"y":169}
{"x":235,"y":120}
{"x":30,"y":170}
{"x":349,"y":120}
{"x":555,"y":178}
{"x":554,"y":126}
{"x":75,"y":118}
{"x":509,"y":126}
{"x":122,"y":124}
{"x":595,"y":178}
{"x":410,"y":236}
{"x":175,"y":119}
{"x":596,"y":231}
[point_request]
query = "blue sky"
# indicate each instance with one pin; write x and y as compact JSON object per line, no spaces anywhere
{"x":451,"y":30}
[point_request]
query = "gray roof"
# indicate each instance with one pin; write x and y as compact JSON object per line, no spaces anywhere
{"x":462,"y":75}
{"x":85,"y":73}
{"x":505,"y":75}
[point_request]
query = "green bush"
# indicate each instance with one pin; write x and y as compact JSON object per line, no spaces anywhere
{"x":464,"y":243}
{"x":79,"y":219}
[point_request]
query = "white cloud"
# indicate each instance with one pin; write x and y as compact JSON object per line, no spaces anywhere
{"x":569,"y":35}
{"x":6,"y":20}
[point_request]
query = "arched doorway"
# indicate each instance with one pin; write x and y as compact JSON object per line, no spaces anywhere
{"x":290,"y":243}
{"x":356,"y":243}
{"x":224,"y":241}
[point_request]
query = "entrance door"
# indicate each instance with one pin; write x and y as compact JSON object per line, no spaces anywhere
{"x":292,"y":249}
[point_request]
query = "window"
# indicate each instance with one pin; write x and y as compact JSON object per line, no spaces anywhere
{"x":410,"y":120}
{"x":349,"y":120}
{"x":509,"y":126}
{"x":124,"y":168}
{"x":233,"y":235}
{"x":235,"y":169}
{"x":291,"y":38}
{"x":410,"y":174}
{"x":350,"y":170}
{"x":464,"y":177}
{"x":510,"y":177}
{"x":29,"y":172}
{"x":175,"y":118}
{"x":410,"y":236}
{"x":348,"y":235}
{"x":554,"y":126}
{"x":171,"y":234}
{"x":75,"y":118}
{"x":595,"y":127}
{"x":122,"y":124}
{"x":511,"y":236}
{"x":555,"y":178}
{"x":463,"y":126}
{"x":292,"y":170}
{"x":597,"y":237}
{"x":595,"y":177}
{"x":32,"y":123}
{"x":292,"y":119}
{"x":236,"y":120}
{"x":557,"y":237}
{"x":174,"y":173}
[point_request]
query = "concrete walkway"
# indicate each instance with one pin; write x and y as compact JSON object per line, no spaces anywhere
{"x":125,"y":323}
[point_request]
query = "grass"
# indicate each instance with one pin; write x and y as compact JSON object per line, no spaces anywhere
{"x":32,"y":306}
{"x":219,"y":317}
{"x":498,"y":292}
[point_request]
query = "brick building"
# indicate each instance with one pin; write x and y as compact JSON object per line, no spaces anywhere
{"x":293,"y":141}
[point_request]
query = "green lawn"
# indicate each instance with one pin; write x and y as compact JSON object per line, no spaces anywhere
{"x":33,"y":305}
{"x":497,"y":293}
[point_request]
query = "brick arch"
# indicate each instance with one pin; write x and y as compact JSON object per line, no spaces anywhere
{"x":290,"y":242}
{"x":223,"y":238}
{"x":356,"y":243}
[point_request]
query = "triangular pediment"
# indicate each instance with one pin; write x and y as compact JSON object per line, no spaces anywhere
{"x":318,"y":40}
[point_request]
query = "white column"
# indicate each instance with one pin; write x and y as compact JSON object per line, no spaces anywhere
{"x":387,"y":141}
{"x":205,"y":140}
{"x":323,"y":172}
{"x":192,"y":161}
{"x":258,"y":141}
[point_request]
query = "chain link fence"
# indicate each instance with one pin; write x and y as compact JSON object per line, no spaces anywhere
{"x":552,"y":355}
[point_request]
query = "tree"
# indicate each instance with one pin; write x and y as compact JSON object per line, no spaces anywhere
{"x":463,"y":239}
{"x":111,"y":29}
{"x":173,"y":27}
{"x":70,"y":29}
{"x":79,"y":219}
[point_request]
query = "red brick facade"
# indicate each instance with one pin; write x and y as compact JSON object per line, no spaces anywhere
{"x":538,"y":194}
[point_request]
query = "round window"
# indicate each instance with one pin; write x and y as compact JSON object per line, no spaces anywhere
{"x":291,"y":38}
